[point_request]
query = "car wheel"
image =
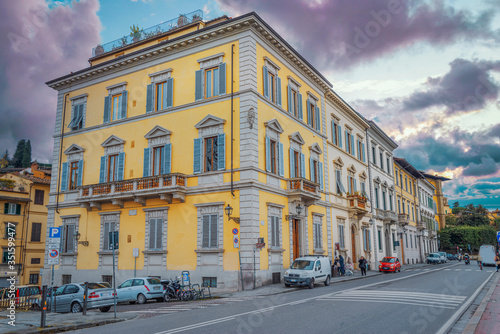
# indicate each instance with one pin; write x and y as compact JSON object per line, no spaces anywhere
{"x":76,"y":307}
{"x":287,"y":285}
{"x":141,"y":299}
{"x":311,"y":283}
{"x":327,"y":281}
{"x":105,"y":309}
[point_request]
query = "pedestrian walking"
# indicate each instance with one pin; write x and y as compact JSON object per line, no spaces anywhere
{"x":480,"y":262}
{"x":341,"y":265}
{"x":497,"y":261}
{"x":362,"y":265}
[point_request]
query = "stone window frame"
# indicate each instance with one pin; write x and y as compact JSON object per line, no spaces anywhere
{"x":115,"y":89}
{"x":314,"y":102}
{"x":75,"y":101}
{"x":317,"y":219}
{"x":273,"y":131}
{"x":74,"y":153}
{"x":275,"y":210}
{"x":152,"y":213}
{"x":273,"y":69}
{"x":296,"y":143}
{"x":70,"y":220}
{"x":341,"y":222}
{"x":158,"y":136}
{"x":108,"y":217}
{"x":204,"y":209}
{"x":209,"y":126}
{"x":207,"y":63}
{"x":159,"y":77}
{"x":295,"y":85}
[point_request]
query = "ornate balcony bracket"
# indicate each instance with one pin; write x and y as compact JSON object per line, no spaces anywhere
{"x":140,"y":200}
{"x":96,"y":205}
{"x":117,"y":202}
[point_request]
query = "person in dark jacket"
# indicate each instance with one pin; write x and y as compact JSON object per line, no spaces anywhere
{"x":341,"y":265}
{"x":362,"y":265}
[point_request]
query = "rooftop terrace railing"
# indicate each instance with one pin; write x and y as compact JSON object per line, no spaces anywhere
{"x":144,"y":34}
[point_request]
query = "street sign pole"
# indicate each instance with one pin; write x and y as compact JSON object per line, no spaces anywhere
{"x":52,"y":309}
{"x":114,"y":278}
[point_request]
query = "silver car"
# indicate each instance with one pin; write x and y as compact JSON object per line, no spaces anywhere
{"x":140,"y":289}
{"x":69,"y":297}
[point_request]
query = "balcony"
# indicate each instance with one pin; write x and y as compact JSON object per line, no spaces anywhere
{"x":421,"y":225}
{"x":404,"y":219}
{"x":379,"y":214}
{"x":390,"y":216}
{"x":303,"y":190}
{"x":166,"y":187}
{"x":357,"y":204}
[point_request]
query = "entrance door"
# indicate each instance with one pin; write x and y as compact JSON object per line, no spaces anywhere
{"x":353,"y":244}
{"x":295,"y":238}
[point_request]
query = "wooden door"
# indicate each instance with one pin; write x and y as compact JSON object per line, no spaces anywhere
{"x":295,"y":238}
{"x":353,"y":244}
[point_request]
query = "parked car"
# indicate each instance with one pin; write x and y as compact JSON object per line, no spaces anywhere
{"x":308,"y":270}
{"x":451,"y":257}
{"x":69,"y":297}
{"x":140,"y":289}
{"x":25,"y":296}
{"x":434,"y":258}
{"x":389,"y":264}
{"x":444,"y":259}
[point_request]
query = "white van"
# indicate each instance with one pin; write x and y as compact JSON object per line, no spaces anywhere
{"x":309,"y":270}
{"x":487,"y":253}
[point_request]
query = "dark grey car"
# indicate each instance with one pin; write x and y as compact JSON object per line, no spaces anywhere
{"x":69,"y":297}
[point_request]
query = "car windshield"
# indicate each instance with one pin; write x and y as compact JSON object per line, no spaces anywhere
{"x":433,"y":255}
{"x":60,"y":290}
{"x":154,"y":281}
{"x":94,"y":286}
{"x":302,"y":265}
{"x":388,"y":259}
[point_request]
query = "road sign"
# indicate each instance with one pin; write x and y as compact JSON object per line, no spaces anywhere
{"x":53,"y":257}
{"x":236,"y":242}
{"x":115,"y":233}
{"x":135,"y":252}
{"x":235,"y":231}
{"x":55,"y":232}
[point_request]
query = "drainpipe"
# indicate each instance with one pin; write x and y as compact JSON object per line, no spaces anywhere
{"x":232,"y":112}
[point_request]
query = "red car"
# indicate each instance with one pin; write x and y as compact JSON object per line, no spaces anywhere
{"x":389,"y":264}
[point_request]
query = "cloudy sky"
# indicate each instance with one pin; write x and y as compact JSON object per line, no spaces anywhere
{"x":427,"y":71}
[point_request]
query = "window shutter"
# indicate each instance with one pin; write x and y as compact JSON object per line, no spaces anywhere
{"x":353,"y":151}
{"x":292,"y":165}
{"x":273,"y":232}
{"x":18,"y":209}
{"x":334,"y":140}
{"x":80,"y":115}
{"x":107,"y":109}
{"x":278,"y":91}
{"x":197,"y":156}
{"x":302,"y":165}
{"x":6,"y":208}
{"x":281,"y":160}
{"x":309,"y":113}
{"x":159,"y":233}
{"x":290,"y":99}
{"x":198,"y":93}
{"x":300,"y":106}
{"x":266,"y":81}
{"x":64,"y":176}
{"x":105,"y":244}
{"x":102,"y":171}
{"x":167,"y":162}
{"x":80,"y":173}
{"x":347,"y":148}
{"x":121,"y":166}
{"x":170,"y":93}
{"x":355,"y":184}
{"x":318,"y":122}
{"x":147,"y":153}
{"x":222,"y":79}
{"x":268,"y":154}
{"x":206,"y":232}
{"x":349,"y":184}
{"x":363,"y":151}
{"x":340,"y":135}
{"x":71,"y":232}
{"x":213,"y":231}
{"x":149,"y":98}
{"x":152,"y":232}
{"x":311,"y":168}
{"x":123,"y":110}
{"x":74,"y":116}
{"x":221,"y":151}
{"x":321,"y":175}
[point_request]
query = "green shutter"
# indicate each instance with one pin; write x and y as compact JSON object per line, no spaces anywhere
{"x":278,"y":91}
{"x":123,"y":110}
{"x":149,"y":98}
{"x":102,"y":170}
{"x":145,"y":166}
{"x":292,"y":164}
{"x":300,"y":106}
{"x":290,"y":99}
{"x":64,"y":176}
{"x":266,"y":81}
{"x":121,"y":166}
{"x":222,"y":79}
{"x":268,"y":153}
{"x":340,"y":135}
{"x":281,"y":162}
{"x":221,"y":151}
{"x":80,"y":173}
{"x":167,"y":162}
{"x":170,"y":92}
{"x":321,"y":175}
{"x":309,"y":113}
{"x":302,"y":165}
{"x":197,"y":156}
{"x":107,"y":109}
{"x":198,"y":93}
{"x":311,"y":168}
{"x":318,"y":121}
{"x":18,"y":209}
{"x":6,"y":208}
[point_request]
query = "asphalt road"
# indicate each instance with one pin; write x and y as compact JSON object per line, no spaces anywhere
{"x":426,"y":300}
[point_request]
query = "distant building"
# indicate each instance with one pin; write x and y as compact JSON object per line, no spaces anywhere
{"x":441,"y":201}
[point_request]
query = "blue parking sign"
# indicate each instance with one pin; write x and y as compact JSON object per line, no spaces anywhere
{"x":54,"y":232}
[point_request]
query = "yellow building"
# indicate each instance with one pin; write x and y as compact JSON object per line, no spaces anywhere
{"x":23,"y":198}
{"x":439,"y":199}
{"x":164,"y":133}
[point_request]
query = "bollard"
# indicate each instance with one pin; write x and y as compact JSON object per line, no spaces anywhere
{"x":85,"y":296}
{"x":44,"y":306}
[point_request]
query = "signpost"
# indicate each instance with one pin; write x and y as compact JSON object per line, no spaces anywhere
{"x":135,"y":254}
{"x":113,"y":244}
{"x":53,"y":257}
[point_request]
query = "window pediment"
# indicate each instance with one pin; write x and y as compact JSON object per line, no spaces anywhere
{"x":338,"y":162}
{"x":156,"y":132}
{"x":352,"y":169}
{"x":210,"y":61}
{"x":113,"y":141}
{"x":296,"y":137}
{"x":377,"y":180}
{"x":74,"y":149}
{"x":384,"y":184}
{"x":274,"y":125}
{"x":208,"y":121}
{"x":315,"y":148}
{"x":363,"y":175}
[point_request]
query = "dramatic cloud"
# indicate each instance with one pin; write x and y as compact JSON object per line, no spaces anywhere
{"x":467,"y":86}
{"x":37,"y":44}
{"x":341,"y":34}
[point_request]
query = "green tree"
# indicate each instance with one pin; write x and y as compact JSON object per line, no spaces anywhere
{"x":27,"y":155}
{"x":5,"y":161}
{"x":457,"y":210}
{"x":456,"y":205}
{"x":451,"y":220}
{"x":452,"y":236}
{"x":17,"y":161}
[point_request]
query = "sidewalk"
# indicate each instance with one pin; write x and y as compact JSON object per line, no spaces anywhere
{"x":28,"y":321}
{"x":486,"y":319}
{"x":273,"y":289}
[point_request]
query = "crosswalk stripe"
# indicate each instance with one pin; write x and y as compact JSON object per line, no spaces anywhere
{"x":424,"y":298}
{"x":392,"y":302}
{"x":405,"y":293}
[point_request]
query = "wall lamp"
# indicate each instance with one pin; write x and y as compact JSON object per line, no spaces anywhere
{"x":77,"y":237}
{"x":229,"y":212}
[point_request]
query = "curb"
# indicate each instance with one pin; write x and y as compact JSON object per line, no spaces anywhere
{"x":474,"y":320}
{"x":65,"y":328}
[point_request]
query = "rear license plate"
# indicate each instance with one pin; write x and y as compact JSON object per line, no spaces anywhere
{"x":293,"y":280}
{"x":105,"y":294}
{"x":156,"y":288}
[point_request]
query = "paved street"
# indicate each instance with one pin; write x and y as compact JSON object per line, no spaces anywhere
{"x":424,"y":300}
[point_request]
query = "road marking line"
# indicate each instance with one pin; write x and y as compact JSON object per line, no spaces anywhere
{"x":399,"y":299}
{"x":461,"y":310}
{"x":392,"y":302}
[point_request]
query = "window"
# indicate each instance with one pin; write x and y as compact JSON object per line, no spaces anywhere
{"x":68,"y":242}
{"x":313,"y":116}
{"x":361,"y":149}
{"x":160,"y":95}
{"x":349,"y":142}
{"x":77,"y":117}
{"x":116,"y":102}
{"x":336,"y":133}
{"x":73,"y":175}
{"x":376,"y":198}
{"x":275,"y":231}
{"x":410,"y":187}
{"x":39,"y":195}
{"x":12,"y":209}
{"x":211,"y":156}
{"x":35,"y":260}
{"x":412,"y":213}
{"x":340,"y":186}
{"x":209,"y":153}
{"x":155,"y":234}
{"x":66,"y":279}
{"x":210,"y":231}
{"x":406,"y":240}
{"x":341,"y":237}
{"x":318,"y":235}
{"x":373,"y":155}
{"x":406,"y":183}
{"x":211,"y":82}
{"x":211,"y":78}
{"x":379,"y":235}
{"x":351,"y":185}
{"x":384,"y":205}
{"x":388,"y":166}
{"x":157,"y":158}
{"x":366,"y":239}
{"x":33,"y":279}
{"x":107,"y":227}
{"x":112,"y":167}
{"x":297,"y":167}
{"x":390,"y":201}
{"x":71,"y":172}
{"x":272,"y":157}
{"x":314,"y":170}
{"x":5,"y":256}
{"x":36,"y":231}
{"x":397,"y":183}
{"x":209,"y":281}
{"x":411,"y":242}
{"x":108,"y":279}
{"x":272,"y":83}
{"x":401,"y":179}
{"x":393,"y":241}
